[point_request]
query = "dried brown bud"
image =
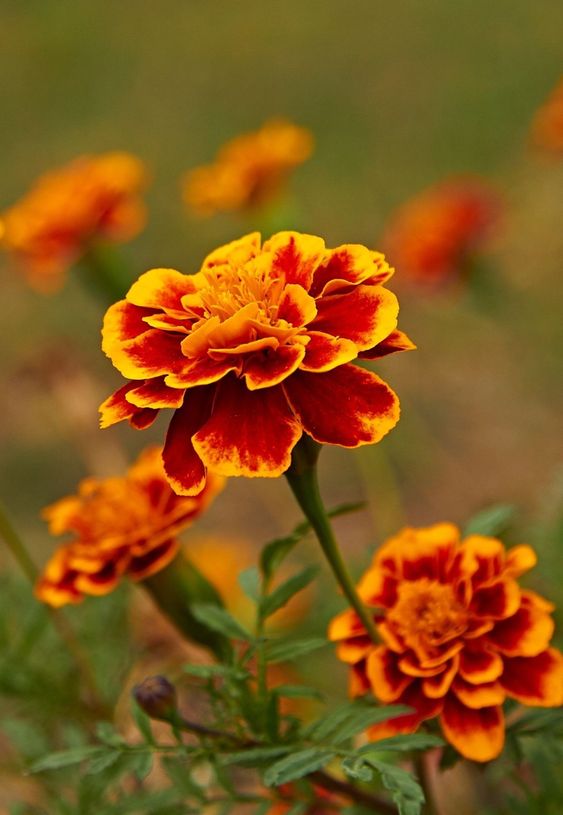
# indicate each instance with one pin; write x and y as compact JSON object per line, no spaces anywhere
{"x":157,"y":697}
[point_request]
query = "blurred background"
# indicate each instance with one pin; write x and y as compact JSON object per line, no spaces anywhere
{"x":398,"y":97}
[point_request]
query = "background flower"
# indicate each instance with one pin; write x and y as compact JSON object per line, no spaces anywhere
{"x":547,"y":126}
{"x":459,"y":636}
{"x":249,"y":170}
{"x":253,"y":351}
{"x":123,"y":526}
{"x":92,"y":198}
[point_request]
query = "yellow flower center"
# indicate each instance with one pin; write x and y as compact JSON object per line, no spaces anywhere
{"x":427,"y":613}
{"x":231,"y":288}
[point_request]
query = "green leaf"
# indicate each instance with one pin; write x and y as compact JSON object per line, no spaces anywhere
{"x":351,"y":718}
{"x":106,"y":733}
{"x":66,"y":758}
{"x":355,"y":767}
{"x":282,"y":594}
{"x":211,"y":671}
{"x":410,"y":741}
{"x":491,"y":521}
{"x":102,"y":762}
{"x":141,"y":764}
{"x":143,"y":722}
{"x":405,"y":790}
{"x":249,"y":581}
{"x":255,"y":756}
{"x":284,"y":650}
{"x":219,"y":619}
{"x":297,"y":692}
{"x":297,"y":765}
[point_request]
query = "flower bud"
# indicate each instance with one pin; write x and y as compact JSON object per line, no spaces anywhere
{"x":156,"y":696}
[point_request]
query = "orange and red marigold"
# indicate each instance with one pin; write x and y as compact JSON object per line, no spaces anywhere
{"x":431,"y":237}
{"x":122,"y":526}
{"x":249,"y":170}
{"x":254,"y":350}
{"x":459,"y":636}
{"x":92,"y":198}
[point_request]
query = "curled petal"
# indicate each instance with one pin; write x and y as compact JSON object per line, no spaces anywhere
{"x":203,"y":370}
{"x":151,"y":354}
{"x":154,"y":393}
{"x":479,"y":665}
{"x":295,"y":256}
{"x":323,"y":352}
{"x":526,"y":634}
{"x":153,"y":560}
{"x":423,"y":708}
{"x":344,"y":625}
{"x":487,"y":694}
{"x":183,"y":466}
{"x":395,"y":342}
{"x":366,"y":315}
{"x":117,"y":407}
{"x":123,"y":322}
{"x":482,"y":557}
{"x":477,"y":734}
{"x":236,"y":252}
{"x":387,"y":680}
{"x":249,"y":433}
{"x":347,"y":406}
{"x":348,"y":265}
{"x":296,"y":306}
{"x":535,"y":680}
{"x":496,"y":601}
{"x":267,"y":368}
{"x":161,"y":289}
{"x":438,"y":685}
{"x":376,"y":588}
{"x":354,"y":650}
{"x":520,"y":559}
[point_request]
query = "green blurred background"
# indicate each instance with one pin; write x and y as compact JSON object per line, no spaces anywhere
{"x":398,"y":96}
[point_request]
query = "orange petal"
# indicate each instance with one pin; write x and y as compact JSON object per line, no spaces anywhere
{"x":265,"y":369}
{"x":387,"y":681}
{"x":323,"y":352}
{"x":150,"y":354}
{"x":477,"y":734}
{"x":416,"y":553}
{"x":237,"y":252}
{"x":347,"y":265}
{"x":395,"y":342}
{"x":535,"y":680}
{"x":294,"y":256}
{"x":347,"y":406}
{"x":154,"y":560}
{"x":366,"y":315}
{"x":161,"y":289}
{"x":296,"y":306}
{"x":203,"y":370}
{"x":354,"y":649}
{"x":497,"y":600}
{"x":154,"y":394}
{"x":410,"y":665}
{"x":116,"y":407}
{"x":487,"y":694}
{"x":482,"y":557}
{"x":377,"y":588}
{"x":250,"y":433}
{"x":122,"y":322}
{"x":344,"y":625}
{"x":438,"y":685}
{"x":526,"y":634}
{"x":479,"y":665}
{"x":423,"y":707}
{"x":183,"y":466}
{"x":520,"y":559}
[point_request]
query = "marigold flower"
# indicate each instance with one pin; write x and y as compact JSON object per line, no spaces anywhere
{"x":458,"y":636}
{"x":92,"y":198}
{"x":249,"y":170}
{"x":254,"y":350}
{"x":547,"y":126}
{"x":123,"y":526}
{"x":433,"y":234}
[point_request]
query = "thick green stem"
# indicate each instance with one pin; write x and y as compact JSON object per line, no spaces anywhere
{"x":175,"y":589}
{"x":302,"y":478}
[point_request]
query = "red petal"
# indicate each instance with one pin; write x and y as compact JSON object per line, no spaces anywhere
{"x":476,"y":734}
{"x":184,"y":468}
{"x":496,"y":601}
{"x":424,"y":709}
{"x":155,"y":394}
{"x":250,"y":433}
{"x":486,"y":694}
{"x":122,"y":322}
{"x":366,"y":315}
{"x":323,"y":352}
{"x":347,"y":265}
{"x":396,"y":341}
{"x":116,"y":408}
{"x":270,"y":367}
{"x":535,"y":680}
{"x":201,"y":371}
{"x":438,"y":685}
{"x":151,"y":354}
{"x":296,"y":306}
{"x":387,"y":681}
{"x":347,"y":406}
{"x":295,"y":256}
{"x":477,"y":666}
{"x":525,"y":634}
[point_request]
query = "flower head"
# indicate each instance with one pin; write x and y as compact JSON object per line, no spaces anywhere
{"x":431,"y":236}
{"x":249,"y":170}
{"x":123,"y":526}
{"x":254,"y":350}
{"x":547,"y":126}
{"x":459,"y":636}
{"x":92,"y":198}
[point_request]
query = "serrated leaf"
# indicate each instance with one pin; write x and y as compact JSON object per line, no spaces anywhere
{"x":219,"y":620}
{"x":106,"y":732}
{"x":355,"y":767}
{"x":347,"y":720}
{"x":249,"y":581}
{"x":255,"y":756}
{"x":141,"y":764}
{"x":491,"y":521}
{"x":285,"y":650}
{"x":297,"y":765}
{"x":405,"y":790}
{"x":409,"y":741}
{"x":102,"y":762}
{"x":66,"y":758}
{"x":143,"y":722}
{"x":283,"y":593}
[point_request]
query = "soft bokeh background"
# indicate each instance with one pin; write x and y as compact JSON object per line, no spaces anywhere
{"x":398,"y":95}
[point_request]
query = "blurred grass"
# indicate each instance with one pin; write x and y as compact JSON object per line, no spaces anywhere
{"x":397,"y":95}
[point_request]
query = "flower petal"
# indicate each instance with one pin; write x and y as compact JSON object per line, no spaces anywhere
{"x":520,"y":559}
{"x":423,"y":707}
{"x":347,"y":406}
{"x":116,"y":408}
{"x":478,"y":665}
{"x":476,"y":734}
{"x":184,"y":468}
{"x":344,"y":625}
{"x":153,"y":560}
{"x":203,"y":370}
{"x":161,"y":289}
{"x":250,"y":433}
{"x":395,"y":342}
{"x":295,"y":256}
{"x":526,"y":634}
{"x":366,"y":315}
{"x":387,"y":680}
{"x":347,"y":265}
{"x":535,"y":680}
{"x":264,"y":369}
{"x":155,"y":394}
{"x":296,"y":306}
{"x":487,"y":694}
{"x":237,"y":252}
{"x":438,"y":685}
{"x":497,"y":600}
{"x":324,"y":352}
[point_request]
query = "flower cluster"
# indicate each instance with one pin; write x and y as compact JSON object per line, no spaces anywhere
{"x":458,"y":636}
{"x":547,"y":127}
{"x":92,"y":198}
{"x":252,"y":351}
{"x":430,"y":238}
{"x":121,"y":526}
{"x":249,"y":170}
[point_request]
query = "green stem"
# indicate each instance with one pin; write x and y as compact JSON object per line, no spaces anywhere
{"x":302,"y":478}
{"x":105,"y":272}
{"x":175,"y":589}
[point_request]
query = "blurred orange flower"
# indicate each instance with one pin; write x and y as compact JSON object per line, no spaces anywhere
{"x":431,"y":236}
{"x":92,"y":198}
{"x":121,"y":526}
{"x":254,"y":350}
{"x":547,"y":126}
{"x":249,"y":170}
{"x":459,"y":636}
{"x":323,"y":803}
